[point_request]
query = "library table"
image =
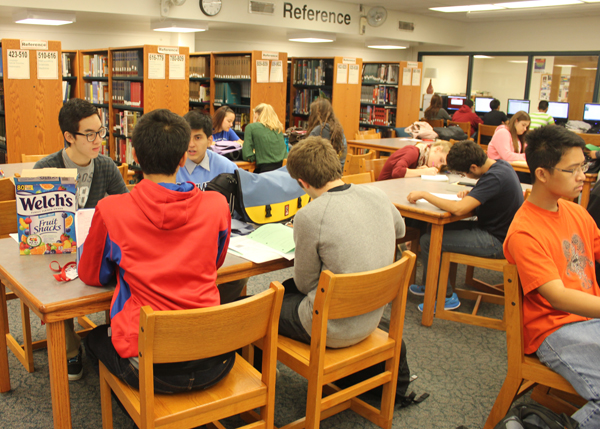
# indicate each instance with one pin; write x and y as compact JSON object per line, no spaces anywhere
{"x":17,"y":167}
{"x":397,"y":190}
{"x":53,"y":302}
{"x":380,"y":145}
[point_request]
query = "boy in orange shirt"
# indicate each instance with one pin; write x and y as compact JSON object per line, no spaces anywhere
{"x":554,"y":244}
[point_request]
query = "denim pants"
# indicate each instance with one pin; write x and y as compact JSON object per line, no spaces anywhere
{"x":573,"y":351}
{"x":463,"y":237}
{"x":289,"y":321}
{"x":168,"y":378}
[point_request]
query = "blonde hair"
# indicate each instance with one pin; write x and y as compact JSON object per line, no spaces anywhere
{"x":268,"y":117}
{"x":446,"y":145}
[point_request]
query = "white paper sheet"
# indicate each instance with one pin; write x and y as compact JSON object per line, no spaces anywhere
{"x":436,"y":178}
{"x":47,"y":65}
{"x":156,"y":66}
{"x":406,"y":74}
{"x":262,"y":71}
{"x":17,"y":64}
{"x":177,"y":67}
{"x":353,"y":74}
{"x":416,"y":77}
{"x":342,"y":73}
{"x":276,"y":71}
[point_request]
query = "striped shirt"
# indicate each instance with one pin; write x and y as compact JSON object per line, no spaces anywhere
{"x":540,"y":119}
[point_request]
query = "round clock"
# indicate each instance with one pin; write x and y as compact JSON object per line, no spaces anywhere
{"x":210,"y":7}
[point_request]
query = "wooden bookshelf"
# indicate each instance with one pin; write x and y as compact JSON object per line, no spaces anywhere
{"x":408,"y":96}
{"x":32,"y":107}
{"x":344,"y":97}
{"x":70,"y":73}
{"x":200,"y":75}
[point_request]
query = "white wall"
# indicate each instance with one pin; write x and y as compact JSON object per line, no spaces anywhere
{"x":451,"y":74}
{"x":501,"y":78}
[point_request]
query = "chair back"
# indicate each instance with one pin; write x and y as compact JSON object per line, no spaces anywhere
{"x":352,"y":165}
{"x":124,"y":169}
{"x":7,"y":190}
{"x":590,"y":138}
{"x":31,"y":158}
{"x":435,"y":122}
{"x":465,"y":126}
{"x":373,"y":165}
{"x":368,"y":136}
{"x":359,"y":178}
{"x":8,"y":208}
{"x":485,"y":130}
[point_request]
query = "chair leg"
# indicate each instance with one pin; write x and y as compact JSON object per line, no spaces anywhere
{"x":313,"y":404}
{"x":105,"y":399}
{"x":503,"y":401}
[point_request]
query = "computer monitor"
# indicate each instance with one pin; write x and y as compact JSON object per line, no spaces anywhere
{"x":591,"y":115}
{"x":455,"y":102}
{"x":482,"y":104}
{"x":559,"y":111}
{"x":516,"y":105}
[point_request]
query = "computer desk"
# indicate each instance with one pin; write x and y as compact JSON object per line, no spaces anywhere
{"x":53,"y":302}
{"x":380,"y":145}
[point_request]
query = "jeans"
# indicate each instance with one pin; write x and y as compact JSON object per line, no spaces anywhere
{"x":289,"y":321}
{"x":465,"y":238}
{"x":168,"y":378}
{"x":573,"y":351}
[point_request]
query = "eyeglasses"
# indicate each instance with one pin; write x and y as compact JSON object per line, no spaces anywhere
{"x":92,"y":136}
{"x":582,"y":168}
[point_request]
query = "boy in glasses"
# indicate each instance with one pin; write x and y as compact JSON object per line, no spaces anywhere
{"x":554,"y":244}
{"x":97,"y":176}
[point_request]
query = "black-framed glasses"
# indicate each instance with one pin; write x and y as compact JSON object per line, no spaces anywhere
{"x":92,"y":136}
{"x":583,"y":168}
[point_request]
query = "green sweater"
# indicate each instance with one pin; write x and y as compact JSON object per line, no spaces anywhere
{"x":262,"y":144}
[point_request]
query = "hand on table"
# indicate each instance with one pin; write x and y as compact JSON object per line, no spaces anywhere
{"x":414,"y":196}
{"x":428,"y":171}
{"x":463,"y":194}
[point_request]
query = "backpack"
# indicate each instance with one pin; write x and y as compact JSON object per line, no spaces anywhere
{"x":535,"y":416}
{"x":230,"y":150}
{"x":454,"y":133}
{"x":295,"y":134}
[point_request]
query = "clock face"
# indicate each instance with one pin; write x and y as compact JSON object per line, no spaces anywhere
{"x":210,"y":7}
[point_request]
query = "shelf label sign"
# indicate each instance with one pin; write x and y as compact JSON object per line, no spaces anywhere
{"x":353,"y":74}
{"x":176,"y":66}
{"x":348,"y":60}
{"x":34,"y":44}
{"x":168,"y":50}
{"x":156,"y":66}
{"x":276,"y":71}
{"x":47,"y":65}
{"x":262,"y":71}
{"x":412,"y":64}
{"x":342,"y":73}
{"x":270,"y":55}
{"x":18,"y":64}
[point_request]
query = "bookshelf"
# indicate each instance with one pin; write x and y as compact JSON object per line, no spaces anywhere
{"x":70,"y":74}
{"x":200,"y":88}
{"x":32,"y":104}
{"x":330,"y":78}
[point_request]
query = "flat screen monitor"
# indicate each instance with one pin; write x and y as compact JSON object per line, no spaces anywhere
{"x":455,"y":102}
{"x":516,"y":105}
{"x":558,"y":110}
{"x":591,"y":112}
{"x":482,"y":104}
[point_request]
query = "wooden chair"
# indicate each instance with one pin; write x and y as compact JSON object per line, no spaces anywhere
{"x":485,"y":130}
{"x":524,"y":371}
{"x":434,"y":122}
{"x":465,"y":126}
{"x":353,"y":162}
{"x":124,"y":169}
{"x":373,"y":165}
{"x":31,"y":158}
{"x":348,"y":295}
{"x":178,"y":336}
{"x":359,"y":178}
{"x":590,"y":138}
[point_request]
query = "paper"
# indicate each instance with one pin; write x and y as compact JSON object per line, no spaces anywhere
{"x":253,"y":251}
{"x":449,"y":197}
{"x":276,"y":236}
{"x":353,"y":74}
{"x":47,"y":65}
{"x":17,"y":64}
{"x":83,"y":222}
{"x":262,"y":71}
{"x":176,"y":66}
{"x":156,"y":66}
{"x":342,"y":73}
{"x":436,"y":178}
{"x":276,"y":71}
{"x":416,"y":77}
{"x":406,"y":76}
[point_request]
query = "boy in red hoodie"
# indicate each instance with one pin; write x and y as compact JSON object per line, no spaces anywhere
{"x":465,"y":114}
{"x":138,"y":239}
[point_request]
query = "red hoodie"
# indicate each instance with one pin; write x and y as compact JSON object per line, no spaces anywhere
{"x":464,"y":114}
{"x":164,"y":244}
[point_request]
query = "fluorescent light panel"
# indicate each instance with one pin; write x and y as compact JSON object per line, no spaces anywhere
{"x":518,"y":61}
{"x":467,"y":8}
{"x":311,"y":37}
{"x":537,"y":3}
{"x":482,"y":57}
{"x":512,"y":5}
{"x":384,"y":44}
{"x":179,"y":26}
{"x":40,"y":17}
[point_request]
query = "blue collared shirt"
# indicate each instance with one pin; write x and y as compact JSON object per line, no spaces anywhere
{"x":210,"y":167}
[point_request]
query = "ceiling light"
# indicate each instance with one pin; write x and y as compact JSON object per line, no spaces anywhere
{"x":589,"y":68}
{"x":40,"y":17}
{"x":482,"y":57}
{"x":311,"y":37}
{"x":384,"y":44}
{"x":565,"y":65}
{"x":518,"y":61}
{"x":179,"y":26}
{"x":536,"y":3}
{"x":467,"y":8}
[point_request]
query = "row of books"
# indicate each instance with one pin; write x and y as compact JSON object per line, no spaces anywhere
{"x":199,"y":92}
{"x":127,"y":63}
{"x":313,"y":72}
{"x":305,"y":97}
{"x":95,"y":65}
{"x":233,"y":67}
{"x":379,"y":94}
{"x":241,"y":120}
{"x":300,"y":122}
{"x":128,"y":93}
{"x":67,"y":64}
{"x":232,"y":92}
{"x":380,"y":73}
{"x":96,"y":92}
{"x":125,"y":122}
{"x":1,"y":93}
{"x":123,"y":148}
{"x":104,"y":149}
{"x":377,"y":116}
{"x":67,"y":90}
{"x":199,"y":66}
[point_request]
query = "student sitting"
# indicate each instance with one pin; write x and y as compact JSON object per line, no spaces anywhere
{"x":222,"y":125}
{"x":435,"y":109}
{"x":323,"y":122}
{"x":414,"y":161}
{"x":97,"y":176}
{"x":554,"y":244}
{"x":139,"y":238}
{"x":508,"y":140}
{"x":202,"y":165}
{"x":264,"y":140}
{"x":541,"y":118}
{"x":465,"y":114}
{"x":334,"y":232}
{"x":495,"y":199}
{"x":494,"y":117}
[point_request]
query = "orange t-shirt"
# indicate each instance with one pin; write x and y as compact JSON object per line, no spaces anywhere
{"x":549,"y":246}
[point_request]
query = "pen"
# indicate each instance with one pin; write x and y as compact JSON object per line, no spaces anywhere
{"x":1,"y":173}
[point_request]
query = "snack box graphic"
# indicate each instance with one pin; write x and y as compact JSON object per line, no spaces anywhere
{"x":46,"y":206}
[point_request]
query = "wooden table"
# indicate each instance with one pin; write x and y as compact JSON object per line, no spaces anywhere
{"x":17,"y":167}
{"x":53,"y":302}
{"x":380,"y":145}
{"x":397,"y":191}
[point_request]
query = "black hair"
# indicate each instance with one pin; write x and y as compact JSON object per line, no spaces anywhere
{"x":543,"y":105}
{"x":546,"y":146}
{"x":160,"y":139}
{"x":72,"y":112}
{"x":494,"y":104}
{"x":463,"y":154}
{"x":468,"y":102}
{"x":199,"y":121}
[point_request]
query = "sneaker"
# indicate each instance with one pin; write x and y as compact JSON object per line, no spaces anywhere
{"x":452,"y":303}
{"x":75,"y":367}
{"x":417,"y":290}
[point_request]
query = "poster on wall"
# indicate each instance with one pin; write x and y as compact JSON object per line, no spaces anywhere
{"x":545,"y":87}
{"x":539,"y":65}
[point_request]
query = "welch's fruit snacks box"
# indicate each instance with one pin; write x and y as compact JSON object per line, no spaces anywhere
{"x":46,"y":206}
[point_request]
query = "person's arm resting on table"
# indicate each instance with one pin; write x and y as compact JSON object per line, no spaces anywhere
{"x":96,"y":267}
{"x":457,"y":208}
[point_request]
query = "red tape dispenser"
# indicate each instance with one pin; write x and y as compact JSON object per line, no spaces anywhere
{"x":65,"y":273}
